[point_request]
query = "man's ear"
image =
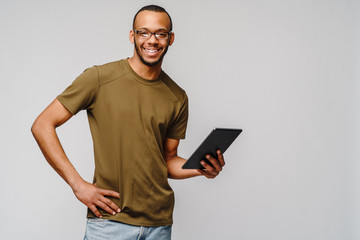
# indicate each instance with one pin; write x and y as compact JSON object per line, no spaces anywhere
{"x":172,"y":38}
{"x":131,"y":36}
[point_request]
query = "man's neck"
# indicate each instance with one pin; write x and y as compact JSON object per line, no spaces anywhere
{"x":144,"y":71}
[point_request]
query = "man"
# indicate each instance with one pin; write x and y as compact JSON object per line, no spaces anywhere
{"x":137,"y":115}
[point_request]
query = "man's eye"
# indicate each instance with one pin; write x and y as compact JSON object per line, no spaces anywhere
{"x":144,"y":34}
{"x":161,"y":35}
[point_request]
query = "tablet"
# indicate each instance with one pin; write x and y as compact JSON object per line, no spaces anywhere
{"x":219,"y":138}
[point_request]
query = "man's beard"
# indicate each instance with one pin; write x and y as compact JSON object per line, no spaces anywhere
{"x":150,"y":64}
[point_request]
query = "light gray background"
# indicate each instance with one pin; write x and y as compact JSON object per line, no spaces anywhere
{"x":287,"y":72}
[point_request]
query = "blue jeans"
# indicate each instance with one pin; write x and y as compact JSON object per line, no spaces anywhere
{"x":102,"y":229}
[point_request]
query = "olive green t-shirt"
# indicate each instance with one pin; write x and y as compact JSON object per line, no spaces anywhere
{"x":129,"y":118}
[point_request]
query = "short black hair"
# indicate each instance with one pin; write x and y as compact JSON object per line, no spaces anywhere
{"x":154,"y":8}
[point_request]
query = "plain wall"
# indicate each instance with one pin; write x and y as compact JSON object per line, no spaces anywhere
{"x":286,"y":72}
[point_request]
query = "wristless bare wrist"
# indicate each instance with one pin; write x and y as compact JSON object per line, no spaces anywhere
{"x":76,"y":184}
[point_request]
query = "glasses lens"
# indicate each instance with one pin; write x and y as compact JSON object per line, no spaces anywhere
{"x":161,"y":35}
{"x":144,"y":34}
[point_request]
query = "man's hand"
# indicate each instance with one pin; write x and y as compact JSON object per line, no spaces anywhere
{"x":93,"y":197}
{"x":215,"y":169}
{"x":175,"y":163}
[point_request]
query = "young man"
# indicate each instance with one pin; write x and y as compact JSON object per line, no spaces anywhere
{"x":137,"y":115}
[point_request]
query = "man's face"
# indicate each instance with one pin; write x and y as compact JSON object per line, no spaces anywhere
{"x":151,"y":51}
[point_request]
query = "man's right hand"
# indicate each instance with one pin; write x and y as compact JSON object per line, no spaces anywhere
{"x":93,"y":197}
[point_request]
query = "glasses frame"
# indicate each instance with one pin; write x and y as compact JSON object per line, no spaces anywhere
{"x":152,"y":33}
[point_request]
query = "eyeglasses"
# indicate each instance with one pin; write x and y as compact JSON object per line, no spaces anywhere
{"x":147,"y":34}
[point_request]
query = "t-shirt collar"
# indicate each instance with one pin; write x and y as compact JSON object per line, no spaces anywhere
{"x":141,"y":79}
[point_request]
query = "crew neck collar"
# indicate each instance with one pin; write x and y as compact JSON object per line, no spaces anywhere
{"x":141,"y":79}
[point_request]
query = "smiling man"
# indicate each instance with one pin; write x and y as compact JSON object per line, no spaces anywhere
{"x":153,"y":51}
{"x":137,"y":115}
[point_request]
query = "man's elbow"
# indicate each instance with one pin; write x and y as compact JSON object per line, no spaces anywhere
{"x":39,"y":126}
{"x":36,"y":127}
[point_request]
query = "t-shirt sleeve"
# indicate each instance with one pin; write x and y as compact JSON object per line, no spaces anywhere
{"x":81,"y":94}
{"x":177,"y":129}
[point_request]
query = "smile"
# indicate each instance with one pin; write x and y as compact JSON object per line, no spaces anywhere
{"x":151,"y":50}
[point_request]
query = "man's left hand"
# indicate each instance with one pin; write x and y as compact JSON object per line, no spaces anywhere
{"x":215,"y":169}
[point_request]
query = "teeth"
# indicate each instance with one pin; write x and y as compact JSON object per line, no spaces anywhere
{"x":152,"y":51}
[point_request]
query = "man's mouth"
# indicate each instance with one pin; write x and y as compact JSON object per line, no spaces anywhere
{"x":152,"y":51}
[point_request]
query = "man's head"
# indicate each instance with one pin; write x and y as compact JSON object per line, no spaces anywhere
{"x":153,"y":8}
{"x":151,"y":34}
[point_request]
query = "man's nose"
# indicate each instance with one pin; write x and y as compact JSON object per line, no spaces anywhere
{"x":153,"y":39}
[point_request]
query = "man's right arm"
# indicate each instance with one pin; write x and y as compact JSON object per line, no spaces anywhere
{"x":44,"y":132}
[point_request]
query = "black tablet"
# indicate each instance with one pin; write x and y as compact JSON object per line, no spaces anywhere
{"x":219,"y":138}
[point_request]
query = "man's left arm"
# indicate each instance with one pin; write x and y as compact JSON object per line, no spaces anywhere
{"x":174,"y":163}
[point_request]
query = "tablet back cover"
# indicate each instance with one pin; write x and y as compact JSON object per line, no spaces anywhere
{"x":219,"y":138}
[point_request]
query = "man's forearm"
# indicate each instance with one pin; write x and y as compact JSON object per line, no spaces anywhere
{"x":53,"y":152}
{"x":175,"y":170}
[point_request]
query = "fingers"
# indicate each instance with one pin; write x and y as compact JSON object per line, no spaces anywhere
{"x":105,"y":207}
{"x":214,"y":162}
{"x":110,"y":205}
{"x":220,"y":158}
{"x":105,"y":204}
{"x":95,"y":211}
{"x":94,"y":198}
{"x":109,"y":193}
{"x":216,"y":168}
{"x":209,"y":171}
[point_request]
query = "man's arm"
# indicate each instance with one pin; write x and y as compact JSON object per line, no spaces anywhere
{"x":174,"y":163}
{"x":44,"y":132}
